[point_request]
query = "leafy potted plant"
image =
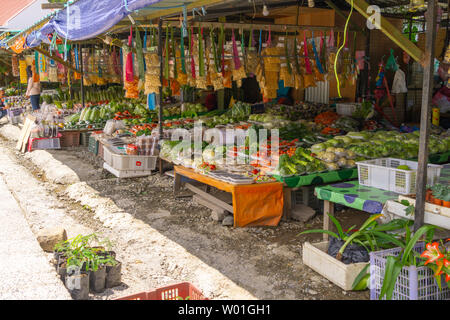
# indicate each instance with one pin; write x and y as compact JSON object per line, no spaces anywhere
{"x":407,"y":264}
{"x":113,"y":271}
{"x":347,"y":253}
{"x":439,"y":192}
{"x":77,"y":279}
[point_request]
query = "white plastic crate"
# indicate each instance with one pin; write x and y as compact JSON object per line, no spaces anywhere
{"x":126,"y":173}
{"x":129,"y":163}
{"x":383,"y":174}
{"x":346,"y":109}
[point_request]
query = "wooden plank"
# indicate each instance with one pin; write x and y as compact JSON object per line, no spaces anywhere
{"x":205,"y":202}
{"x":49,"y":6}
{"x":211,"y":198}
{"x":328,"y":208}
{"x":25,"y":132}
{"x":425,"y":120}
{"x":391,"y":32}
{"x":287,"y":202}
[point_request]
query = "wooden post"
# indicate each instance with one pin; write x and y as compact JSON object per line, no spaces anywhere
{"x":328,"y":208}
{"x":160,"y":52}
{"x":425,"y":121}
{"x":82,"y":74}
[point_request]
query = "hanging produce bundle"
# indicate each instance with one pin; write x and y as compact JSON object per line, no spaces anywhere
{"x":272,"y":66}
{"x":192,"y":75}
{"x":252,"y":56}
{"x":286,"y":73}
{"x":201,"y":79}
{"x":15,"y":65}
{"x":238,"y":70}
{"x":153,"y":71}
{"x":309,"y":77}
{"x":298,"y":74}
{"x":215,"y":55}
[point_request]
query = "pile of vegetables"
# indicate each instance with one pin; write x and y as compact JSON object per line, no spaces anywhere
{"x":366,"y":145}
{"x":241,"y":111}
{"x":301,"y":162}
{"x":326,"y":118}
{"x":303,"y":110}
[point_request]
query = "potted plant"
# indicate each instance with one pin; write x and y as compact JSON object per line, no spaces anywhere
{"x":77,"y":279}
{"x":407,"y":263}
{"x":439,"y":191}
{"x":113,"y":271}
{"x":343,"y":258}
{"x":97,"y":269}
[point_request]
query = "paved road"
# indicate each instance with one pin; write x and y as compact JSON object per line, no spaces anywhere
{"x":25,"y":273}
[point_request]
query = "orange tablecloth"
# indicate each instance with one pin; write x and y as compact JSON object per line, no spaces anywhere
{"x":254,"y":204}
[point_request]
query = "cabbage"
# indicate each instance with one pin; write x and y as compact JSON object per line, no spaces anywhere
{"x":318,"y":148}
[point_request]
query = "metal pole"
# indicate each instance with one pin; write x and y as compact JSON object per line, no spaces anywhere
{"x":82,"y":75}
{"x":425,"y":121}
{"x":160,"y":53}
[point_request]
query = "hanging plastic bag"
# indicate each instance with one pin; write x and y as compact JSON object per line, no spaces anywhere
{"x":399,"y":84}
{"x":391,"y":63}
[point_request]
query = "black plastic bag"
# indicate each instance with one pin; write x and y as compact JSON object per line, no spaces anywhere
{"x":352,"y":254}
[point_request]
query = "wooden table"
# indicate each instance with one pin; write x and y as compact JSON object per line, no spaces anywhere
{"x":259,"y":204}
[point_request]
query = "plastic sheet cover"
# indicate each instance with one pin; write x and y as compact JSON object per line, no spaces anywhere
{"x":87,"y":19}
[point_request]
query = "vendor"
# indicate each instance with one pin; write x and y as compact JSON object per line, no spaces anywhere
{"x":33,"y":89}
{"x":441,"y":100}
{"x":2,"y":104}
{"x":211,"y":101}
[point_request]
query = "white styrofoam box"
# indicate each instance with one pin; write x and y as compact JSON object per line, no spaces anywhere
{"x":343,"y":275}
{"x":127,"y":162}
{"x":126,"y":173}
{"x":346,"y":109}
{"x":383,"y":174}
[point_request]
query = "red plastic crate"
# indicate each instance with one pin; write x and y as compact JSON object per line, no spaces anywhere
{"x":183,"y":290}
{"x":70,"y":139}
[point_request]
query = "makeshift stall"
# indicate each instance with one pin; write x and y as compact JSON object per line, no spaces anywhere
{"x":254,"y":204}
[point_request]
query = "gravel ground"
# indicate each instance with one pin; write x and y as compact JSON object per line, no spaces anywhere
{"x":162,"y":240}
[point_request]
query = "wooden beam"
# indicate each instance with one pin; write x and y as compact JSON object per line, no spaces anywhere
{"x":391,"y":32}
{"x":48,"y":6}
{"x":425,"y":121}
{"x":343,"y":15}
{"x":56,"y":58}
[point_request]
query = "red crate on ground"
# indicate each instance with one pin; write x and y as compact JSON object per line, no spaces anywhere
{"x":44,"y":143}
{"x":172,"y":292}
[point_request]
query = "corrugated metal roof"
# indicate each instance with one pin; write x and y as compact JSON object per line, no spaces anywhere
{"x":11,"y":8}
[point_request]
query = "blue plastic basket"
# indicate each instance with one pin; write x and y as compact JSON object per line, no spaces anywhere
{"x":413,"y":283}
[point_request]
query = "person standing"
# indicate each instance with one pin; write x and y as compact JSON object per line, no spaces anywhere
{"x":2,"y":104}
{"x":33,"y":89}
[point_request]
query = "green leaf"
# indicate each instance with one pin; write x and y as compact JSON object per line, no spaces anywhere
{"x":360,"y":276}
{"x":398,"y":266}
{"x":319,"y":231}
{"x":410,"y":244}
{"x":389,"y":238}
{"x":388,"y":276}
{"x":338,"y":226}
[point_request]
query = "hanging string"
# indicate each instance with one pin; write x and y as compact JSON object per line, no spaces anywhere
{"x":339,"y":51}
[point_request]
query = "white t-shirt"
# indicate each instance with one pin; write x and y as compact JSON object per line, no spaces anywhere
{"x":34,"y":88}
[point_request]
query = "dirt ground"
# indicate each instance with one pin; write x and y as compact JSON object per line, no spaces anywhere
{"x":163,"y":240}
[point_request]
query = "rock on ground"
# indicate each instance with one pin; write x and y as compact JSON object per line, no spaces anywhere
{"x":49,"y":237}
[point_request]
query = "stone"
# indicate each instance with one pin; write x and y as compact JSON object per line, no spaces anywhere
{"x":228,"y":221}
{"x":218,"y":216}
{"x":302,"y":213}
{"x":49,"y":237}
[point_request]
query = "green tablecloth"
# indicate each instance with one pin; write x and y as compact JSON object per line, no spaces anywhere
{"x":342,"y":175}
{"x":318,"y":178}
{"x":368,"y":199}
